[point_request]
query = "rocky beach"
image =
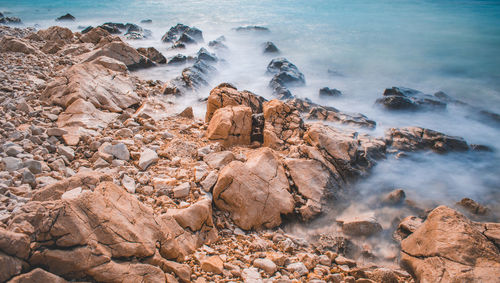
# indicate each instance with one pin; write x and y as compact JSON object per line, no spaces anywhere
{"x":109,"y":176}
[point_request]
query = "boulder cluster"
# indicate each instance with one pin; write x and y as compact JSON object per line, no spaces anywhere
{"x":101,"y":181}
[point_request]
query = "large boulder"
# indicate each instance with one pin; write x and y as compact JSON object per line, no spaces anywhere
{"x":94,"y":234}
{"x":12,"y":44}
{"x":315,"y":111}
{"x":256,"y":193}
{"x":37,"y":275}
{"x":56,"y":33}
{"x":122,"y":52}
{"x":231,"y":125}
{"x":416,"y":138}
{"x":448,"y":247}
{"x":282,"y":124}
{"x":95,"y":35}
{"x":400,"y":98}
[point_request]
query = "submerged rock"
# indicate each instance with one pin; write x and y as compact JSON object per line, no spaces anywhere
{"x":269,"y":47}
{"x":152,"y":54}
{"x":328,"y":92}
{"x":252,"y":28}
{"x":399,"y":98}
{"x":183,"y":34}
{"x":285,"y":74}
{"x":67,"y":17}
{"x":415,"y":138}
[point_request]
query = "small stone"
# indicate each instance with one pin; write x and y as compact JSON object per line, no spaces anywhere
{"x":265,"y":264}
{"x":34,"y":166}
{"x":182,"y":190}
{"x":217,"y":160}
{"x":340,"y":260}
{"x":213,"y":264}
{"x":56,"y":132}
{"x":28,"y":177}
{"x":125,"y":133}
{"x":100,"y":163}
{"x":148,"y":157}
{"x":298,"y":267}
{"x":187,"y":113}
{"x":66,"y":151}
{"x":361,"y":225}
{"x":71,"y":139}
{"x":472,"y":206}
{"x":395,"y":197}
{"x":251,"y":275}
{"x":128,"y":183}
{"x":72,"y":194}
{"x":13,"y":150}
{"x":120,"y":151}
{"x":11,"y":163}
{"x":210,"y":181}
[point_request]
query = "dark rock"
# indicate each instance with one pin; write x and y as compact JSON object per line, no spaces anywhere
{"x":136,"y":32}
{"x":328,"y":92}
{"x":218,"y":43}
{"x":113,"y":28}
{"x":285,"y":74}
{"x":206,"y":56}
{"x":178,"y":45}
{"x":395,"y":197}
{"x":147,"y":21}
{"x":191,"y":79}
{"x":472,"y":206}
{"x":10,"y":20}
{"x":415,"y":138}
{"x":186,"y":33}
{"x":257,"y":128}
{"x":400,"y":98}
{"x":177,"y":59}
{"x":87,"y":29}
{"x":480,"y":147}
{"x":153,"y":54}
{"x":252,"y":28}
{"x":269,"y":47}
{"x":67,"y":17}
{"x":186,"y":39}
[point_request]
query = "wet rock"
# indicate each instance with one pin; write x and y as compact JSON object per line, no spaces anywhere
{"x":313,"y":111}
{"x":285,"y":74}
{"x":472,"y":206}
{"x":113,"y":28}
{"x":152,"y":54}
{"x":415,"y":138}
{"x":121,"y":52}
{"x":262,"y":177}
{"x":183,"y":31}
{"x":9,"y":20}
{"x":399,"y":98}
{"x":67,"y":17}
{"x":361,"y":225}
{"x":218,"y":43}
{"x":212,"y":264}
{"x":395,"y":197}
{"x":449,"y":247}
{"x":270,"y":48}
{"x":177,"y":60}
{"x":252,"y":29}
{"x":146,"y":21}
{"x":148,"y":157}
{"x":231,"y":125}
{"x":328,"y":92}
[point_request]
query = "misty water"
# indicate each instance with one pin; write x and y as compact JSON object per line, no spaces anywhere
{"x":359,"y":47}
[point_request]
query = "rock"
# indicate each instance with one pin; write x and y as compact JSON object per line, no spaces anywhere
{"x":218,"y":43}
{"x":187,"y":113}
{"x":152,"y":54}
{"x":95,"y":35}
{"x":128,"y":183}
{"x":14,"y":244}
{"x":182,"y":31}
{"x":395,"y":197}
{"x":448,"y":247}
{"x":328,"y":92}
{"x":120,"y":151}
{"x":263,"y":178}
{"x":56,"y":33}
{"x":407,"y":226}
{"x":192,"y":78}
{"x":231,"y":126}
{"x":218,"y":160}
{"x":11,"y":266}
{"x":269,"y":47}
{"x":314,"y":111}
{"x":209,"y":181}
{"x":472,"y":206}
{"x":122,"y":52}
{"x":148,"y":157}
{"x":11,"y":164}
{"x":297,"y":267}
{"x":9,"y":20}
{"x":37,"y":275}
{"x":181,"y":148}
{"x":252,"y":28}
{"x":415,"y":138}
{"x":72,"y":194}
{"x":283,"y":124}
{"x":13,"y":150}
{"x":399,"y":98}
{"x":147,"y":21}
{"x":212,"y":264}
{"x":67,"y":17}
{"x":360,"y":225}
{"x":251,"y":275}
{"x":66,"y":151}
{"x":177,"y":60}
{"x":182,"y":190}
{"x":12,"y":44}
{"x":285,"y":74}
{"x":265,"y":264}
{"x":34,"y":166}
{"x":56,"y":132}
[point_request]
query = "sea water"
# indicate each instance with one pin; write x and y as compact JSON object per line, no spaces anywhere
{"x":360,"y":47}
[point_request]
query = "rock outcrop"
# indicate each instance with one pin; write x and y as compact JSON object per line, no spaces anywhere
{"x":285,"y":74}
{"x":122,"y":52}
{"x":256,"y":193}
{"x":400,"y":98}
{"x":415,"y":138}
{"x":231,"y":125}
{"x":183,"y":34}
{"x":282,"y":124}
{"x":448,"y":247}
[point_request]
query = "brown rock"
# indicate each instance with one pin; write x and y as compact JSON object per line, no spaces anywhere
{"x":10,"y":266}
{"x":256,"y":192}
{"x":213,"y":264}
{"x":187,"y":113}
{"x":415,"y":138}
{"x":231,"y":125}
{"x":14,"y":244}
{"x":37,"y":275}
{"x":218,"y":160}
{"x":448,"y":247}
{"x":395,"y":197}
{"x":153,"y":55}
{"x":472,"y":206}
{"x":56,"y":33}
{"x":122,"y":52}
{"x":360,"y":225}
{"x":407,"y":226}
{"x":94,"y":35}
{"x":282,"y":124}
{"x":12,"y":44}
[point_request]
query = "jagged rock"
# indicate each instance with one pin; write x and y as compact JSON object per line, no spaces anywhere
{"x":218,"y":160}
{"x":212,"y":264}
{"x":177,"y":59}
{"x":11,"y":266}
{"x":218,"y":43}
{"x":315,"y":111}
{"x":67,"y":17}
{"x":328,"y":92}
{"x":122,"y":52}
{"x":179,"y":31}
{"x":285,"y":74}
{"x":269,"y":47}
{"x":56,"y":33}
{"x":148,"y":157}
{"x":400,"y":98}
{"x":256,"y":192}
{"x":360,"y":225}
{"x":415,"y":138}
{"x":9,"y":20}
{"x":153,"y":55}
{"x":37,"y":275}
{"x":448,"y":247}
{"x":472,"y":206}
{"x":12,"y":44}
{"x":94,"y":35}
{"x":282,"y":124}
{"x":351,"y":153}
{"x":407,"y":226}
{"x":187,"y":113}
{"x":227,"y":95}
{"x":231,"y":125}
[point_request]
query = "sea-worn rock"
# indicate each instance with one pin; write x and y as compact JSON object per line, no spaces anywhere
{"x":270,"y":48}
{"x":188,"y":34}
{"x":400,"y":98}
{"x":360,"y":225}
{"x":416,"y":138}
{"x":256,"y":192}
{"x":252,"y":29}
{"x":94,"y":35}
{"x":152,"y":54}
{"x":448,"y":247}
{"x":67,"y":17}
{"x":285,"y":74}
{"x":56,"y":33}
{"x":122,"y":52}
{"x":231,"y":125}
{"x":328,"y":92}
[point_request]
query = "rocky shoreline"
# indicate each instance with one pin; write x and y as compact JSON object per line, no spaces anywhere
{"x":101,"y":181}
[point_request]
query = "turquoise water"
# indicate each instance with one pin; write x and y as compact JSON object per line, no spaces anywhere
{"x":453,"y":46}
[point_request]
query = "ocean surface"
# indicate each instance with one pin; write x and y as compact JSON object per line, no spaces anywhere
{"x":360,"y":47}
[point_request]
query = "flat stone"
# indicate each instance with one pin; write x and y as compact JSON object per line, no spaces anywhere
{"x":213,"y":264}
{"x":265,"y":264}
{"x":210,"y":181}
{"x":11,"y":163}
{"x":298,"y":267}
{"x":128,"y":183}
{"x":34,"y":166}
{"x":182,"y":190}
{"x":66,"y":151}
{"x":120,"y":151}
{"x":251,"y":275}
{"x":13,"y":150}
{"x":56,"y":132}
{"x":361,"y":225}
{"x":148,"y":157}
{"x":217,"y":160}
